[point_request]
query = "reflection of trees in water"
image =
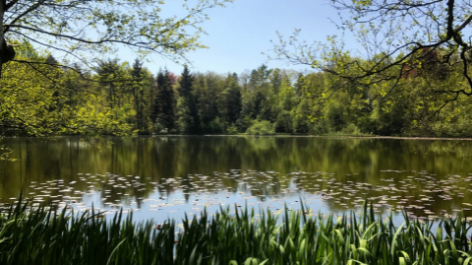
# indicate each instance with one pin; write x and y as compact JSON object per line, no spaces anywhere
{"x":158,"y":159}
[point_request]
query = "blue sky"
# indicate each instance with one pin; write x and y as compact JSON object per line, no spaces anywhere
{"x":241,"y":31}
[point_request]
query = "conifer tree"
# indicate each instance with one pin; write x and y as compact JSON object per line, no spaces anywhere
{"x":138,"y":93}
{"x":188,"y":114}
{"x":162,"y":114}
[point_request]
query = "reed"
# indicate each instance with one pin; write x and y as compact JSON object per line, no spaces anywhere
{"x":41,"y":236}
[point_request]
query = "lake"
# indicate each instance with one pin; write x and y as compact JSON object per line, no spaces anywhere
{"x":166,"y":176}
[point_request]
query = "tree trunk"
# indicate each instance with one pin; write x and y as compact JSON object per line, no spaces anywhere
{"x":2,"y":38}
{"x":7,"y":52}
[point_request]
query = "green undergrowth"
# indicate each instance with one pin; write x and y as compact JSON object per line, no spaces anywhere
{"x":39,"y":236}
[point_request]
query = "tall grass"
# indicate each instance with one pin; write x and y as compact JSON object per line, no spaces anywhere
{"x":39,"y":236}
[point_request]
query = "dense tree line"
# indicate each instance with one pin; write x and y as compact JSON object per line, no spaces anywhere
{"x":122,"y":98}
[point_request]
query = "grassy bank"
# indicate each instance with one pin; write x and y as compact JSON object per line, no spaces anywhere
{"x":42,"y":237}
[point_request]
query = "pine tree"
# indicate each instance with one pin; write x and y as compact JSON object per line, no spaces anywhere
{"x":107,"y":72}
{"x":163,"y":110}
{"x":137,"y":75}
{"x":188,"y":114}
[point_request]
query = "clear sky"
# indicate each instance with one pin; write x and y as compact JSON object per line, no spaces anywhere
{"x":241,"y":31}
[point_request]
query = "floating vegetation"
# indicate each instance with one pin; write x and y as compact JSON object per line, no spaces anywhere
{"x":420,"y":194}
{"x":40,"y":236}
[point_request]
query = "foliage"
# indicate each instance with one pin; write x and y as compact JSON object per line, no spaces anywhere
{"x":188,"y":120}
{"x":60,"y":97}
{"x":216,"y":126}
{"x":38,"y":236}
{"x":163,"y":109}
{"x":138,"y":91}
{"x":400,"y":38}
{"x":86,"y":30}
{"x":352,"y":129}
{"x":37,"y":100}
{"x":261,"y":128}
{"x":232,"y":130}
{"x":122,"y":99}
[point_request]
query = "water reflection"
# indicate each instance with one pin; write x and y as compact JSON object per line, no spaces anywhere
{"x":427,"y":178}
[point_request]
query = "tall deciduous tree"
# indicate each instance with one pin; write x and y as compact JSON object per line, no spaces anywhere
{"x":407,"y":35}
{"x":287,"y":101}
{"x":233,"y":93}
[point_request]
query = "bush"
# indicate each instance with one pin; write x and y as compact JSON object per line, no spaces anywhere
{"x":460,"y":128}
{"x":284,"y":122}
{"x":216,"y":126}
{"x":160,"y":128}
{"x":301,"y":124}
{"x":232,"y":130}
{"x":320,"y":127}
{"x":243,"y":124}
{"x":336,"y":117}
{"x":261,"y":128}
{"x":183,"y":124}
{"x":352,"y":129}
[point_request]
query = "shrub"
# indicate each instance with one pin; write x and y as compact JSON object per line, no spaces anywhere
{"x":284,"y":122}
{"x":352,"y":129}
{"x":261,"y":128}
{"x":243,"y":124}
{"x":160,"y":128}
{"x":216,"y":126}
{"x":232,"y":130}
{"x":320,"y":127}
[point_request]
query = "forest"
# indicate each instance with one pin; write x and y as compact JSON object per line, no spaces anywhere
{"x":124,"y":98}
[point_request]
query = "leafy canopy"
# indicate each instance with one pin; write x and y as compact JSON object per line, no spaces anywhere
{"x":86,"y":29}
{"x":392,"y":33}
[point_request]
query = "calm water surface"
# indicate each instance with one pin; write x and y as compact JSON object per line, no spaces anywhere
{"x":160,"y":177}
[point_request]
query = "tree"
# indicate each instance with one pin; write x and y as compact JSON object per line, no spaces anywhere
{"x":39,"y":99}
{"x":229,"y":101}
{"x":116,"y":78}
{"x":233,"y":92}
{"x":207,"y":88}
{"x":163,"y":111}
{"x":402,"y":33}
{"x":276,"y":79}
{"x":88,"y":29}
{"x":187,"y":108}
{"x":84,"y":33}
{"x":138,"y":92}
{"x":287,"y":101}
{"x":259,"y":95}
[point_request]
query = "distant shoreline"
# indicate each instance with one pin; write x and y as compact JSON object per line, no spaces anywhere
{"x":340,"y":136}
{"x":262,"y":136}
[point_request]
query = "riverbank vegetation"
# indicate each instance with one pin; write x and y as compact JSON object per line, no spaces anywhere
{"x":122,"y":98}
{"x":41,"y":236}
